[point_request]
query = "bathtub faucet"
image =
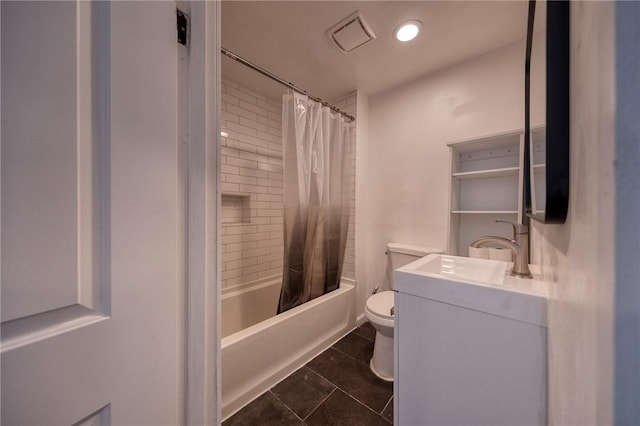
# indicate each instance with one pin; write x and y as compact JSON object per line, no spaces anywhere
{"x":519,"y":247}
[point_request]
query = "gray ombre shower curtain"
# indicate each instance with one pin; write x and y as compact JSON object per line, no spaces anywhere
{"x":317,"y":144}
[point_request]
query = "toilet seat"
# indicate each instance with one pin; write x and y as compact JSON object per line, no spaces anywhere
{"x":380,"y":305}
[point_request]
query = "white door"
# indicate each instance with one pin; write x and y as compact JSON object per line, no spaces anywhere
{"x":92,"y":282}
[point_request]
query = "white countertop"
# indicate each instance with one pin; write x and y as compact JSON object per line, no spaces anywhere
{"x":478,"y":284}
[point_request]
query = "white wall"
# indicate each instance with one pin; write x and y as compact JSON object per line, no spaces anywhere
{"x":578,"y":257}
{"x":406,"y":180}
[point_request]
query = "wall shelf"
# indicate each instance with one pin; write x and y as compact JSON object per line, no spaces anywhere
{"x":485,"y":181}
{"x":538,"y":171}
{"x":504,"y":171}
{"x":484,"y":212}
{"x":235,"y":209}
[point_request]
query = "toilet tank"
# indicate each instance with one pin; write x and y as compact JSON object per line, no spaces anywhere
{"x":401,"y":254}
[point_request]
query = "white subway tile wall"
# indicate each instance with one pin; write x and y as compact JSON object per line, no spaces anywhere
{"x":251,"y":182}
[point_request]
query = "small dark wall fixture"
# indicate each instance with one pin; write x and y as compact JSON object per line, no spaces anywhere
{"x":557,"y":126}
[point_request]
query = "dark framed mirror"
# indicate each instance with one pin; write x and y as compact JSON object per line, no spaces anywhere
{"x":547,"y":127}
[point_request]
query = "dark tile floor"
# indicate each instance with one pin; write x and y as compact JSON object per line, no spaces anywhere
{"x":335,"y":388}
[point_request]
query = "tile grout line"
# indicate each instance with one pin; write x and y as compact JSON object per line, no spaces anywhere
{"x":363,"y":404}
{"x":351,"y":396}
{"x":357,"y":328}
{"x":345,"y":391}
{"x":286,"y":405}
{"x":321,"y":402}
{"x":336,"y":387}
{"x":387,"y":404}
{"x":349,"y":356}
{"x":324,"y":378}
{"x":364,"y":337}
{"x":385,"y":407}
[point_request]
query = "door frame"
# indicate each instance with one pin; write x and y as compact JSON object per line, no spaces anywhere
{"x":203,"y":208}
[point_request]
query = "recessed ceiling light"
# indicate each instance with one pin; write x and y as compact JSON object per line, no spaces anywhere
{"x":408,"y":30}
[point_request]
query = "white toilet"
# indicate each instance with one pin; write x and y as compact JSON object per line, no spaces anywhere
{"x":379,"y":308}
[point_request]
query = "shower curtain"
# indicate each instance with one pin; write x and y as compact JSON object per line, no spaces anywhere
{"x":317,"y":143}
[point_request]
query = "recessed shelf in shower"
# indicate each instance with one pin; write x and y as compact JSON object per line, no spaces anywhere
{"x":236,"y":208}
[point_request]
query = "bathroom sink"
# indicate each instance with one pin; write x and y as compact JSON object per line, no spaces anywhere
{"x":481,"y":271}
{"x":478,"y":284}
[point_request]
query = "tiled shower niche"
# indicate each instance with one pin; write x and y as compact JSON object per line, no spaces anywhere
{"x":236,"y":209}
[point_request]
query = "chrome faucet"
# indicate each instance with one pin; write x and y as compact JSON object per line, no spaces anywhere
{"x":519,"y":247}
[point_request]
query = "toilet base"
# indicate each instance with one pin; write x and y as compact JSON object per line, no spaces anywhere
{"x":382,"y":362}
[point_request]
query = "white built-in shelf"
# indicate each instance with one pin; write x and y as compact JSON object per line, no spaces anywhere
{"x":505,"y":171}
{"x":484,"y":211}
{"x":486,"y":175}
{"x":486,"y":185}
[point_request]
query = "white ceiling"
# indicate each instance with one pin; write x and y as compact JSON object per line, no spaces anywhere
{"x":289,"y":39}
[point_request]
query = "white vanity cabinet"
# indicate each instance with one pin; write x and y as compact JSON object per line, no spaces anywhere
{"x":469,"y":354}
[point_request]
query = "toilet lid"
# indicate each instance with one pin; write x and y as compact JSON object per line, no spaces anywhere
{"x":381,"y":304}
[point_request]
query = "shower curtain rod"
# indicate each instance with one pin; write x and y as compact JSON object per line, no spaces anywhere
{"x":274,"y":77}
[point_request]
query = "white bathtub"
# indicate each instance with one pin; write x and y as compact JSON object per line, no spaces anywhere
{"x":250,"y":304}
{"x":260,"y":356}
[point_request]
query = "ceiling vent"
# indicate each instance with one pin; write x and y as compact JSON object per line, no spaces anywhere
{"x":351,"y":33}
